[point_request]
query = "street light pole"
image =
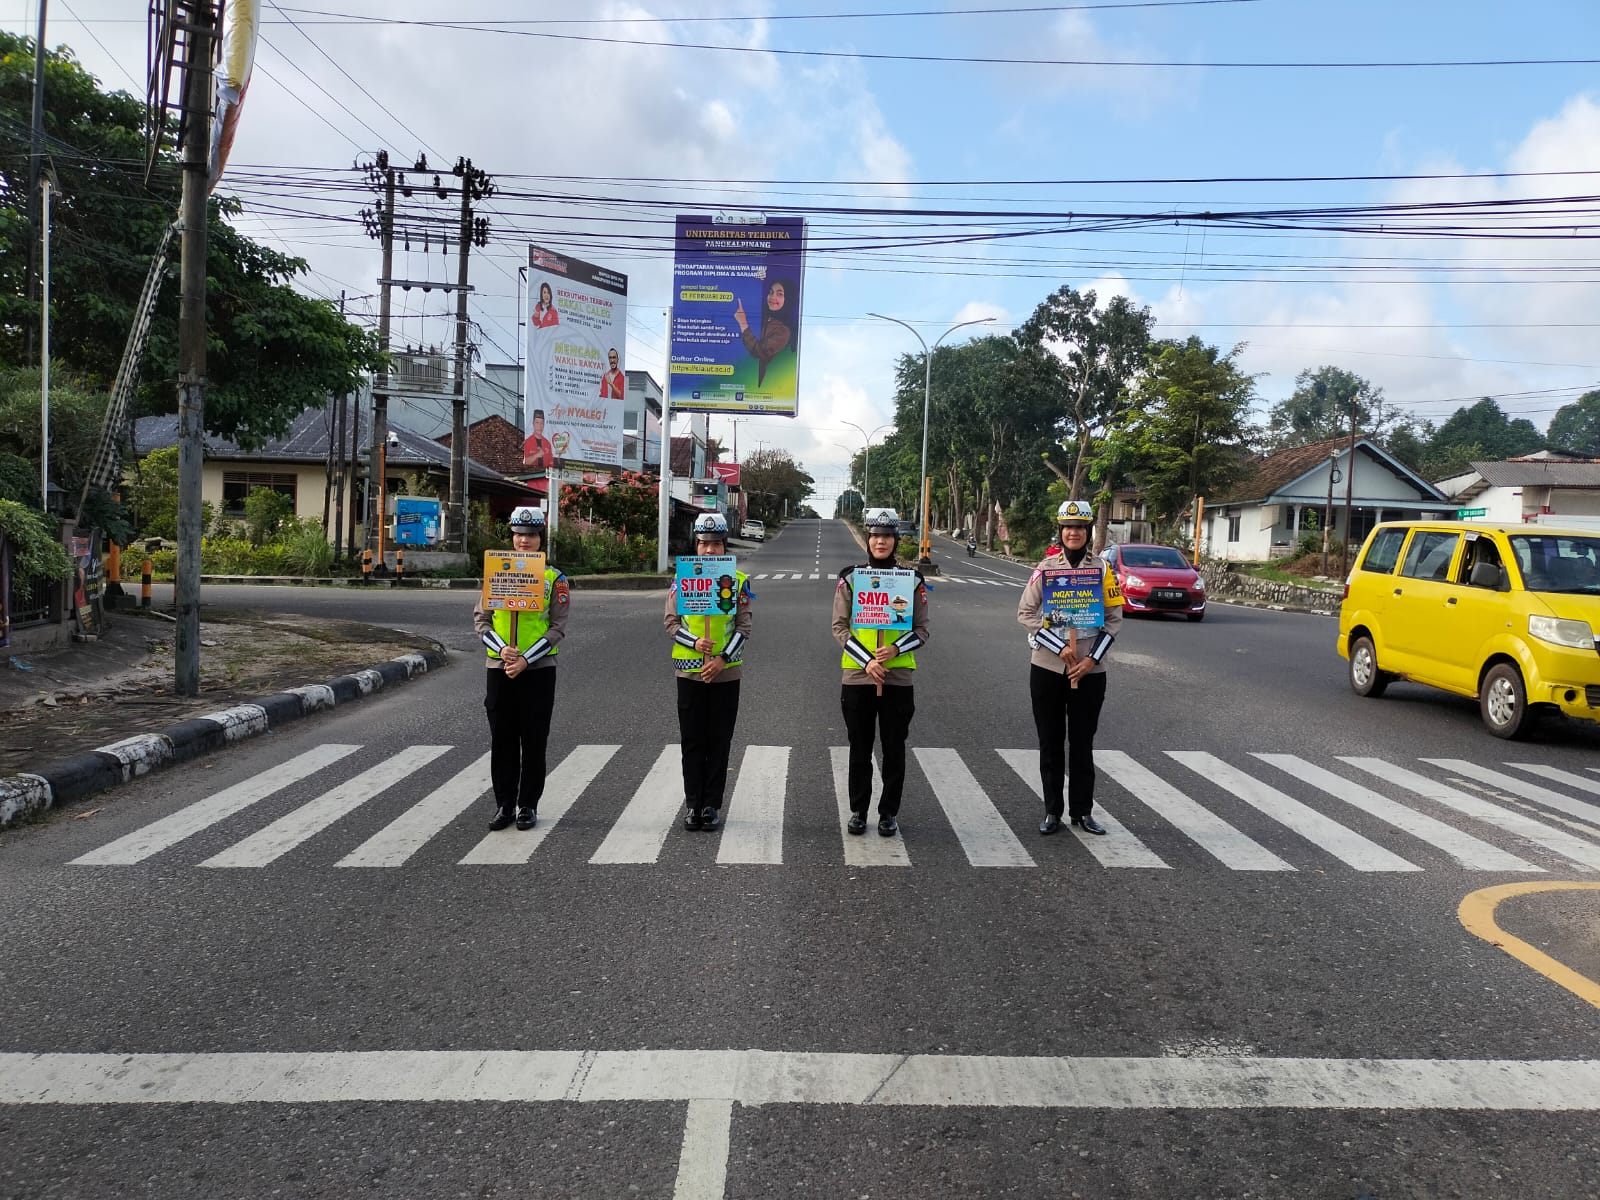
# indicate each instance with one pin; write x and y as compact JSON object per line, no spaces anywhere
{"x":866,"y":463}
{"x":927,"y":391}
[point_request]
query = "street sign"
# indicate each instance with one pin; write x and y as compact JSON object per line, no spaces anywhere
{"x":1463,"y":514}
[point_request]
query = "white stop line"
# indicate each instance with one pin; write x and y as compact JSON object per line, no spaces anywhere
{"x":713,"y":1081}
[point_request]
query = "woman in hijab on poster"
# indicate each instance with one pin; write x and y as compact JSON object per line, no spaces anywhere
{"x":777,"y":325}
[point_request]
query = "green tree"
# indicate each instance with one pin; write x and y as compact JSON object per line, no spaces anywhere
{"x":1480,"y":431}
{"x":771,"y":480}
{"x":1319,"y":409}
{"x":1091,"y":355}
{"x":155,"y":494}
{"x":272,"y":352}
{"x":76,"y":412}
{"x":1576,"y":426}
{"x":1192,"y":430}
{"x":265,"y":514}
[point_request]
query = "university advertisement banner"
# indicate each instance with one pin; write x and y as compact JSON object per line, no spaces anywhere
{"x":736,"y":316}
{"x":577,"y":317}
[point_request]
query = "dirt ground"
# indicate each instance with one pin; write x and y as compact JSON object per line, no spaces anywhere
{"x":57,"y":704}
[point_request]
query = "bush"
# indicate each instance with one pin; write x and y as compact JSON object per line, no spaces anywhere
{"x":265,"y":512}
{"x":592,"y":551}
{"x":307,"y":549}
{"x":34,"y":541}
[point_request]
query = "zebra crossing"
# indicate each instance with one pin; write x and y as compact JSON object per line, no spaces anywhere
{"x":832,"y":577}
{"x":1189,"y":805}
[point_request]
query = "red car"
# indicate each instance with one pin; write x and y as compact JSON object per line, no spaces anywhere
{"x":1157,"y":579}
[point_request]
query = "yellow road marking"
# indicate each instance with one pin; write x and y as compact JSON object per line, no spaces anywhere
{"x":1477,"y":915}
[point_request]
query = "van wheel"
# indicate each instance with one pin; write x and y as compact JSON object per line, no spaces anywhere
{"x":1503,"y":701}
{"x":1365,"y":678}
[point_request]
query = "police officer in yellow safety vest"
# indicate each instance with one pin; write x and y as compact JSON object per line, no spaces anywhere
{"x":522,"y":683}
{"x":707,"y":654}
{"x":1067,"y":680}
{"x":876,"y":688}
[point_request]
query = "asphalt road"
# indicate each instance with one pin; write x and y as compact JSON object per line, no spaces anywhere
{"x":1259,"y":984}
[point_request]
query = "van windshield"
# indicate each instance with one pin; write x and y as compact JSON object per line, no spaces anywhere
{"x":1558,"y":563}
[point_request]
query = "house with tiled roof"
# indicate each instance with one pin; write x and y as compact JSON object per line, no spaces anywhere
{"x":1547,"y":486}
{"x":1295,"y":490}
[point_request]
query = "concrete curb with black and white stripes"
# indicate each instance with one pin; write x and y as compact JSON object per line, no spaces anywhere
{"x":27,"y":795}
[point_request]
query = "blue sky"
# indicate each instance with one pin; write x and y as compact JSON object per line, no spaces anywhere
{"x":1435,"y":322}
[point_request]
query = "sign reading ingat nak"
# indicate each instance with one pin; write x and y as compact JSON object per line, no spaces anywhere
{"x":1074,"y":597}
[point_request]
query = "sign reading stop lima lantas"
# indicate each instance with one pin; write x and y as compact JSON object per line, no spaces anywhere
{"x":513,"y":582}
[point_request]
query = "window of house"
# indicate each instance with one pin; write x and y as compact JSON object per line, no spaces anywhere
{"x":236,"y":485}
{"x":1234,"y":524}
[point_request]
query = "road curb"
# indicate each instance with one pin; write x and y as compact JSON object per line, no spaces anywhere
{"x":27,"y":795}
{"x":617,"y":583}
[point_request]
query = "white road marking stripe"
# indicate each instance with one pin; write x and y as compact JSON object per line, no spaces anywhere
{"x":1463,"y":847}
{"x":703,"y":1162}
{"x":1119,"y":848}
{"x":763,"y":575}
{"x":1559,"y":776}
{"x":642,"y":829}
{"x":1519,"y":787}
{"x":202,"y":814}
{"x":414,"y":828}
{"x":1214,"y":835}
{"x":290,"y":830}
{"x":866,"y":849}
{"x":979,"y":827}
{"x":758,"y":1077}
{"x":752,"y":831}
{"x":562,"y":787}
{"x":1515,"y":823}
{"x":814,"y":575}
{"x":1348,"y":846}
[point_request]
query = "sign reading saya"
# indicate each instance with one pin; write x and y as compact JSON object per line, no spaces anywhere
{"x":708,"y":585}
{"x":883,"y":599}
{"x":513,"y":582}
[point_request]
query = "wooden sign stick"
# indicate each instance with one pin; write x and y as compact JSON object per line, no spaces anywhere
{"x":1072,"y":649}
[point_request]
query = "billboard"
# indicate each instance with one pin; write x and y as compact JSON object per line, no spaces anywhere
{"x":577,"y":317}
{"x":736,"y":316}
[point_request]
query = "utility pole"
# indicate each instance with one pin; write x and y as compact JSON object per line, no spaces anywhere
{"x":35,"y":163}
{"x":44,"y":360}
{"x":1349,"y":487}
{"x":197,"y":74}
{"x":380,"y":225}
{"x":475,"y":185}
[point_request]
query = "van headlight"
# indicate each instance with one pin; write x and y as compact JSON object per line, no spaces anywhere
{"x":1558,"y":632}
{"x":1133,"y":581}
{"x":1199,"y":583}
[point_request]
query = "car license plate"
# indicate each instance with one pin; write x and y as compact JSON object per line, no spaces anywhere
{"x":1167,"y":594}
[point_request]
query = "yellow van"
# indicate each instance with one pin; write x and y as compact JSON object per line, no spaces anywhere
{"x":1507,"y":615}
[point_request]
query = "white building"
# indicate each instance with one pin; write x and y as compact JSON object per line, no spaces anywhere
{"x":1549,"y":487}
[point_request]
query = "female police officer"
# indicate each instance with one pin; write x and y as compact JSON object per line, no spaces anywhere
{"x":706,"y":654}
{"x":521,"y":691}
{"x":876,"y":688}
{"x":1067,"y":684}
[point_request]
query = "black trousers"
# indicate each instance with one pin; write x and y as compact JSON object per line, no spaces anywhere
{"x":1066,"y":719}
{"x":519,"y":727}
{"x":707,"y":713}
{"x":891,"y":714}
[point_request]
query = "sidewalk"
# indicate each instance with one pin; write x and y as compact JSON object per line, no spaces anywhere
{"x":83,"y":717}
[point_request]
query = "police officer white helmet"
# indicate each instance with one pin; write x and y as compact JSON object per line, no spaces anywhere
{"x":882,"y":518}
{"x":711,"y":526}
{"x":1075,"y":512}
{"x":527,"y":519}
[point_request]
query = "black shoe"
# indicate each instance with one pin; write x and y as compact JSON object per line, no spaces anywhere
{"x":691,"y":819}
{"x":502,"y":818}
{"x":710,"y":818}
{"x":525,"y":818}
{"x":1088,"y":824}
{"x":858,"y":823}
{"x":887,"y":827}
{"x":1050,"y":824}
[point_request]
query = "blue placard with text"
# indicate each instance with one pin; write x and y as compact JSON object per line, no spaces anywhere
{"x":1074,"y":597}
{"x":708,"y":585}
